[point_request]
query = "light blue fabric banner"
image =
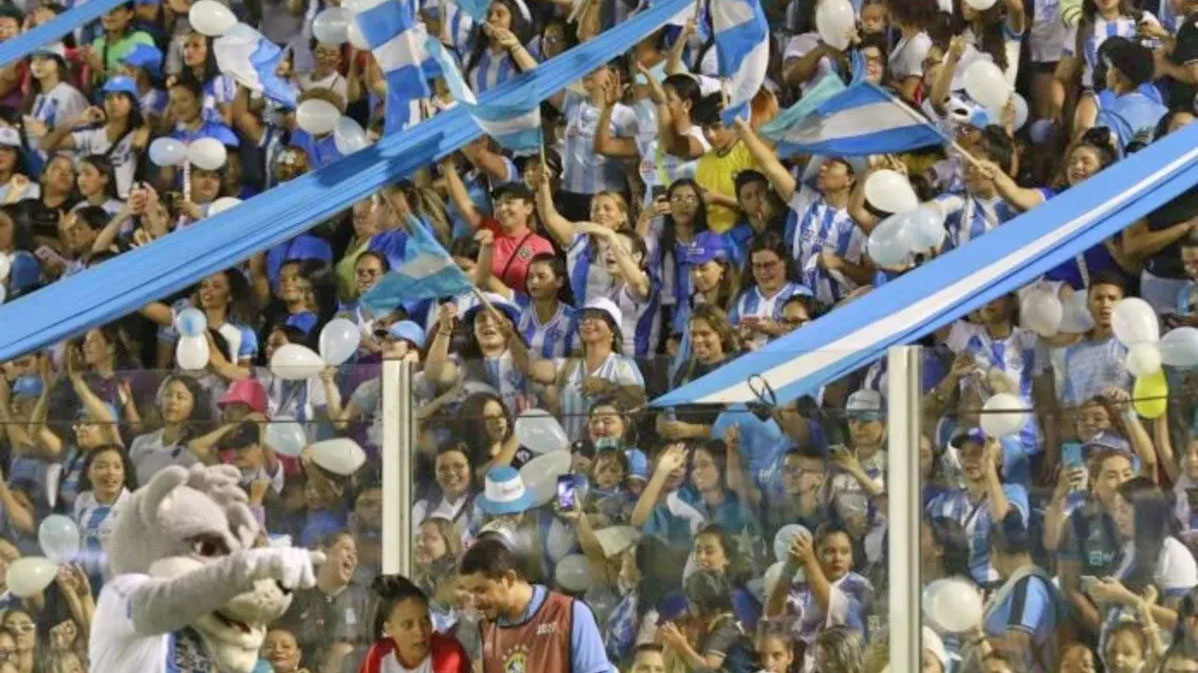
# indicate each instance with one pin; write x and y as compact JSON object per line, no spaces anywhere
{"x":949,"y":287}
{"x":121,"y":285}
{"x":23,"y":44}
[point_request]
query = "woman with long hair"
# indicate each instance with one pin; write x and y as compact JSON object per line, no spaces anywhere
{"x":227,"y":303}
{"x":405,"y":636}
{"x":108,"y":478}
{"x":680,"y":228}
{"x":995,"y":34}
{"x":115,"y":130}
{"x":768,"y":284}
{"x":913,"y":18}
{"x":52,"y":97}
{"x":219,"y":89}
{"x":712,"y":343}
{"x":498,"y":52}
{"x":97,"y":185}
{"x":486,"y":428}
{"x":453,"y":497}
{"x":549,"y":321}
{"x":186,"y":412}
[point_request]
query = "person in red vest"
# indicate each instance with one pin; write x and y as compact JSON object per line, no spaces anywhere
{"x":409,"y":644}
{"x":526,"y":627}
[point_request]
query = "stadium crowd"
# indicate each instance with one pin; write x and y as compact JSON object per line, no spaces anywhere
{"x":646,"y":246}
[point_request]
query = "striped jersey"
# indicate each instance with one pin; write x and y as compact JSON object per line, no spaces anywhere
{"x":553,"y":339}
{"x":588,"y":274}
{"x":968,"y":217}
{"x":976,"y":519}
{"x":1123,"y":26}
{"x":642,"y":319}
{"x":619,"y":369}
{"x":583,"y":171}
{"x":752,"y":302}
{"x":813,"y":226}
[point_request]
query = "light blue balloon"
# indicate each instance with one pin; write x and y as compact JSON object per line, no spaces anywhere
{"x":167,"y":152}
{"x":886,"y":245}
{"x":191,"y":322}
{"x":1179,"y":347}
{"x":59,"y":538}
{"x":925,"y":228}
{"x":286,"y":436}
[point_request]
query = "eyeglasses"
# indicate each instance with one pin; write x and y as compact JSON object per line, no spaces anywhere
{"x":684,"y":198}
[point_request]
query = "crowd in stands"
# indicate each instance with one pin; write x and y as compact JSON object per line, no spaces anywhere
{"x":648,"y":245}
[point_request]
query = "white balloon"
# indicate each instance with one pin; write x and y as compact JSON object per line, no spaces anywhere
{"x":211,"y":18}
{"x":924,"y":228}
{"x":317,"y":116}
{"x":1143,"y":359}
{"x":540,"y":432}
{"x":5,"y":265}
{"x":207,"y":153}
{"x":244,"y":32}
{"x":834,"y":19}
{"x":191,"y":352}
{"x":774,"y":573}
{"x":294,"y":362}
{"x":1077,"y":318}
{"x":348,"y":136}
{"x":888,"y":245}
{"x":1134,"y":321}
{"x":1020,"y":111}
{"x":986,"y":84}
{"x":1003,"y":414}
{"x":1041,"y":311}
{"x":573,"y":573}
{"x":286,"y":436}
{"x":222,"y":204}
{"x":29,"y":575}
{"x":167,"y":152}
{"x":1179,"y":347}
{"x":890,"y":191}
{"x":340,"y":456}
{"x":330,"y":26}
{"x":339,"y":340}
{"x":785,"y":537}
{"x":953,"y":604}
{"x":540,"y":475}
{"x":355,"y":36}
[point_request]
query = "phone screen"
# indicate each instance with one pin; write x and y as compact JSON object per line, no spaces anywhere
{"x":1071,"y":454}
{"x":565,"y":492}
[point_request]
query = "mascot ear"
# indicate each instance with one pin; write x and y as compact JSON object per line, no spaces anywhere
{"x":161,"y":485}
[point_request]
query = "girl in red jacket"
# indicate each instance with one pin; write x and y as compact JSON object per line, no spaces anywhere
{"x":408,"y":643}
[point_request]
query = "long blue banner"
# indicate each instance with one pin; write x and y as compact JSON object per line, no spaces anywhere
{"x":949,"y":287}
{"x":123,"y":284}
{"x":19,"y":46}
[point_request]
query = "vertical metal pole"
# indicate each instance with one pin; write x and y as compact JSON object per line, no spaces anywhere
{"x":903,"y":496}
{"x":399,"y":445}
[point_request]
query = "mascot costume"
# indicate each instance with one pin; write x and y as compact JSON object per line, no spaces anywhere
{"x":190,"y":592}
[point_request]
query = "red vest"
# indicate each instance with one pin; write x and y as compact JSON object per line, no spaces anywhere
{"x":540,"y":645}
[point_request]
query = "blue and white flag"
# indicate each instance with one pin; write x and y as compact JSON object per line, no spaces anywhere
{"x":427,"y":272}
{"x":514,"y":121}
{"x":396,"y":38}
{"x":775,"y":129}
{"x":863,"y":119}
{"x":252,"y":61}
{"x":743,"y":47}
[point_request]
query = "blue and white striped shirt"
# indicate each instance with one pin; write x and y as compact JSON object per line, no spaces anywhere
{"x":619,"y":369}
{"x":1123,"y":26}
{"x":968,"y":217}
{"x":975,"y":518}
{"x":490,"y":70}
{"x":588,"y":274}
{"x":752,"y":302}
{"x":813,"y":226}
{"x":1093,"y":367}
{"x":553,"y":339}
{"x":641,"y":328}
{"x":583,"y":171}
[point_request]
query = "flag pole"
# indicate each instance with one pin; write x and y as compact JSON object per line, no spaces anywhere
{"x":187,"y":179}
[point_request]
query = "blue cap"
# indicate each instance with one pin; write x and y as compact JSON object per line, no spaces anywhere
{"x":25,"y":271}
{"x":976,"y":435}
{"x":145,"y":56}
{"x":706,"y":247}
{"x":408,"y":331}
{"x":638,"y":464}
{"x":121,"y":83}
{"x":27,"y":385}
{"x":499,"y":303}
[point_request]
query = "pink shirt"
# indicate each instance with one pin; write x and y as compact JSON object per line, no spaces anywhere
{"x":512,"y":254}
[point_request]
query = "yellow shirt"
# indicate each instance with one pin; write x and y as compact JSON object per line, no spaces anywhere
{"x":717,"y":174}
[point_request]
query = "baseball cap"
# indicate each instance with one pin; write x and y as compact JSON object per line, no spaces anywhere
{"x":408,"y":331}
{"x":499,"y":303}
{"x":145,"y":56}
{"x":247,"y":391}
{"x":975,"y":435}
{"x":607,"y":306}
{"x":706,"y":247}
{"x":516,"y":190}
{"x":1106,"y":439}
{"x":865,"y":404}
{"x":84,"y":415}
{"x":27,"y":386}
{"x":9,"y":137}
{"x":121,"y":84}
{"x":55,"y":49}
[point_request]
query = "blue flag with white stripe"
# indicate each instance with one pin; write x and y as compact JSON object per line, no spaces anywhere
{"x":863,"y":119}
{"x":253,"y":61}
{"x":743,"y":51}
{"x":396,"y":38}
{"x":427,"y":272}
{"x":513,"y":121}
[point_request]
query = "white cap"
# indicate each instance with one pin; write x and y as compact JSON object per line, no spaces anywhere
{"x":9,"y":137}
{"x":607,"y":306}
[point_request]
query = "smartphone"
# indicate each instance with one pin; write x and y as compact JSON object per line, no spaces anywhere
{"x":658,"y":191}
{"x":567,"y":486}
{"x":1071,"y":459}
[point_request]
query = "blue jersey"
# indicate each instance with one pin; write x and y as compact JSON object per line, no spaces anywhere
{"x":968,"y":217}
{"x":812,"y":227}
{"x":1133,"y":116}
{"x":975,"y":518}
{"x":641,"y":327}
{"x":491,"y":69}
{"x":554,"y":338}
{"x":321,"y":151}
{"x":588,"y":274}
{"x":1028,"y":603}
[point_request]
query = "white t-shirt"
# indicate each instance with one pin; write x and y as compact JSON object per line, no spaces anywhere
{"x":115,"y":645}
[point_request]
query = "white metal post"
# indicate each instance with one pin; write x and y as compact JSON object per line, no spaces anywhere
{"x":903,"y":511}
{"x":399,"y":445}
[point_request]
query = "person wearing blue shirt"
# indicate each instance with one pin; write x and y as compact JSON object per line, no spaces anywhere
{"x":527,"y":626}
{"x":1021,"y":618}
{"x":1131,"y":105}
{"x":984,"y":501}
{"x":981,"y":207}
